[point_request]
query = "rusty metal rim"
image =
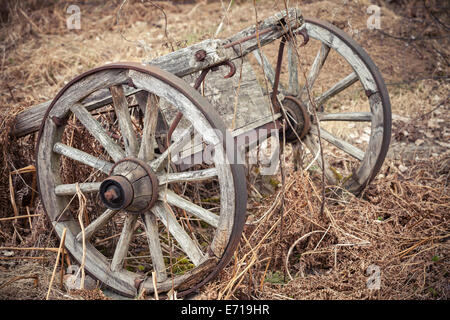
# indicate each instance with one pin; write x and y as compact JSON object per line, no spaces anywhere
{"x":237,"y":170}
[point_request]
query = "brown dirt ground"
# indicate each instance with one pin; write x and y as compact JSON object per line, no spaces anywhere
{"x":399,"y":225}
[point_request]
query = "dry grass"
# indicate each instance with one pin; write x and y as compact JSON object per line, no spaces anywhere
{"x":400,"y":224}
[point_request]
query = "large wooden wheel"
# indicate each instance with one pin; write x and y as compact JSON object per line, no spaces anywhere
{"x":351,"y":101}
{"x":136,"y":215}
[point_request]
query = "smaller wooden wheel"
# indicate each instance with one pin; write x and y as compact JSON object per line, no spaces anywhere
{"x":351,"y":101}
{"x":105,"y":176}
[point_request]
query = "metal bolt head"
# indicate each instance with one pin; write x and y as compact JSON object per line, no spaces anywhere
{"x":200,"y":55}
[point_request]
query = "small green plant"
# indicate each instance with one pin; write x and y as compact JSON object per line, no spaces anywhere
{"x":275,"y":277}
{"x":274,"y":183}
{"x":182,"y":265}
{"x":433,"y":292}
{"x":435,"y":258}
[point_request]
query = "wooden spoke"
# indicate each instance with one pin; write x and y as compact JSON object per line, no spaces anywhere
{"x":346,"y":116}
{"x":123,"y":114}
{"x":124,"y":242}
{"x":157,"y":164}
{"x":293,"y":69}
{"x":341,"y":144}
{"x":146,"y":151}
{"x":265,"y":64}
{"x":151,"y":230}
{"x":188,"y":176}
{"x":176,"y":230}
{"x":314,"y":147}
{"x":315,"y":69}
{"x":141,"y":99}
{"x":206,"y":215}
{"x":97,"y":131}
{"x":96,"y":224}
{"x":337,"y":88}
{"x":82,"y":157}
{"x":267,"y":67}
{"x":71,"y":189}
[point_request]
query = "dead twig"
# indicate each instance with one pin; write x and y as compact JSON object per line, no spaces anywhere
{"x":34,"y":276}
{"x":61,"y":244}
{"x":20,"y":217}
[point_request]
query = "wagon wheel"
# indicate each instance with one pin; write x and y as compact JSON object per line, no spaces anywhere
{"x":355,"y":130}
{"x":144,"y":226}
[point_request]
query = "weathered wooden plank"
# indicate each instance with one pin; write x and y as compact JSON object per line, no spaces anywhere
{"x":30,"y":120}
{"x":265,"y":64}
{"x":188,"y":176}
{"x":337,"y":88}
{"x":96,"y":224}
{"x":124,"y":242}
{"x":82,"y":157}
{"x":176,"y":230}
{"x":123,"y":114}
{"x":172,"y":150}
{"x":345,"y":116}
{"x":279,"y":25}
{"x":147,"y":148}
{"x":183,"y":62}
{"x":341,"y":144}
{"x":239,"y":100}
{"x":293,"y":69}
{"x":97,"y":131}
{"x":174,"y":199}
{"x":71,"y":188}
{"x":317,"y":65}
{"x":184,"y":281}
{"x":152,"y":232}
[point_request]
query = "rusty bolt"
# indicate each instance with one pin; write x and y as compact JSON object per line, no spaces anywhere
{"x":200,"y":55}
{"x":112,"y":193}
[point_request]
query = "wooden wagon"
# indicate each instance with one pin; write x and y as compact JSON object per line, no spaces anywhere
{"x":113,"y":147}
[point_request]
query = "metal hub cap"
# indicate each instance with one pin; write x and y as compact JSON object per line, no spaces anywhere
{"x":299,"y":119}
{"x":116,"y":192}
{"x":132,"y":186}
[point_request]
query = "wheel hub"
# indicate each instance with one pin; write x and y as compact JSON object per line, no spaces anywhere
{"x":132,"y":185}
{"x":299,"y":120}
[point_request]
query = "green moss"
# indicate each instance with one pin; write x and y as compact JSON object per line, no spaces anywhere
{"x":274,"y":182}
{"x":212,"y":200}
{"x":276,"y":277}
{"x":182,"y":265}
